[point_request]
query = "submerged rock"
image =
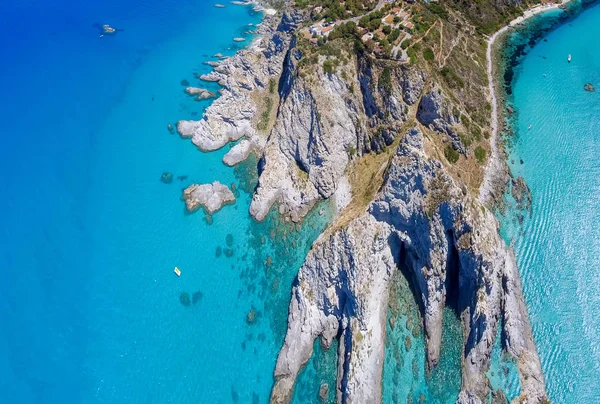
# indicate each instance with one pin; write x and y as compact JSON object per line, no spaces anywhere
{"x":589,"y":87}
{"x":521,"y":193}
{"x":324,"y":392}
{"x":184,"y":298}
{"x":171,"y":129}
{"x":251,"y":316}
{"x":210,"y":196}
{"x":166,"y":178}
{"x":197,"y":296}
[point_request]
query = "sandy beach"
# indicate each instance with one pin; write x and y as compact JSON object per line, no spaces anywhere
{"x":494,"y":165}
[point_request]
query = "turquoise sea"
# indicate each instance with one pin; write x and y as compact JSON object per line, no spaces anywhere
{"x":558,"y":243}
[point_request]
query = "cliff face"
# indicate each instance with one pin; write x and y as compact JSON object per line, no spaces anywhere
{"x":423,"y":222}
{"x":321,"y":118}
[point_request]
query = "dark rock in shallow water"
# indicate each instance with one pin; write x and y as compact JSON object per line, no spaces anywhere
{"x":251,"y":317}
{"x":184,"y":298}
{"x":229,"y":240}
{"x":219,"y":251}
{"x":324,"y":392}
{"x":196,"y":297}
{"x":171,"y":129}
{"x":589,"y":88}
{"x":166,"y":178}
{"x":229,"y":252}
{"x":521,"y":193}
{"x":498,"y":397}
{"x":184,"y":83}
{"x":182,"y":177}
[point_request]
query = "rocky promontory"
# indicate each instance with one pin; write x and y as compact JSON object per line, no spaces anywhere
{"x":398,"y":146}
{"x":422,"y":221}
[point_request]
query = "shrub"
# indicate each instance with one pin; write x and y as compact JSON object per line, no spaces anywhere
{"x":385,"y":79}
{"x":352,"y":151}
{"x":394,"y":35}
{"x":272,"y":84}
{"x":451,"y":154}
{"x":451,"y":77}
{"x":412,"y":54}
{"x":374,"y":24}
{"x":428,"y":54}
{"x":466,"y":140}
{"x":329,"y":66}
{"x":480,"y":154}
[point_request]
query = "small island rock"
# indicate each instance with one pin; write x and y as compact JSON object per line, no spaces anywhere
{"x":589,"y":87}
{"x":210,"y":196}
{"x":200,"y":93}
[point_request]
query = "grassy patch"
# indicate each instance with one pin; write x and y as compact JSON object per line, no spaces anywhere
{"x":480,"y":154}
{"x":451,"y":154}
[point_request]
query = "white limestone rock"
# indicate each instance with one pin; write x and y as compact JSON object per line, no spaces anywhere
{"x":422,"y":221}
{"x":209,"y":196}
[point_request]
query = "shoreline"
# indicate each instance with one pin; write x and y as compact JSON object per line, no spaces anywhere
{"x":495,"y":169}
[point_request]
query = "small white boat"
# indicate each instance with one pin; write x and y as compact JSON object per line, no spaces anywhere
{"x":177,"y":271}
{"x":529,"y":127}
{"x":569,"y":58}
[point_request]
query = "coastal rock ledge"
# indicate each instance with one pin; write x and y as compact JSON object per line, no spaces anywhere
{"x":211,"y":197}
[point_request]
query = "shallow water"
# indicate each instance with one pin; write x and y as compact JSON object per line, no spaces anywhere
{"x":91,"y":309}
{"x":558,"y":244}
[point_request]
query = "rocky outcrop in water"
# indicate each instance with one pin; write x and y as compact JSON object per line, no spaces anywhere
{"x":449,"y":247}
{"x":200,"y":93}
{"x":209,"y":196}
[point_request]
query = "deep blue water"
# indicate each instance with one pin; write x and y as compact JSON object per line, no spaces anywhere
{"x":558,"y":244}
{"x":90,"y":306}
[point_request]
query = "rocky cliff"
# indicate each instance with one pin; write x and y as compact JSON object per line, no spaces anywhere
{"x":403,"y":146}
{"x":444,"y":239}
